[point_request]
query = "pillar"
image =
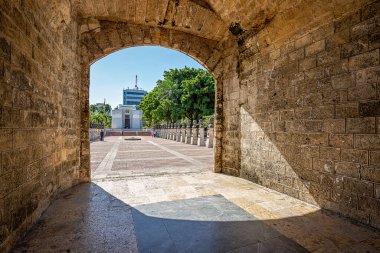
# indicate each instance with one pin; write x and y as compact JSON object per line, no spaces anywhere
{"x":201,"y":140}
{"x":194,"y":139}
{"x":188,"y":135}
{"x":183,"y":137}
{"x":179,"y":133}
{"x":174,"y":134}
{"x":210,"y":139}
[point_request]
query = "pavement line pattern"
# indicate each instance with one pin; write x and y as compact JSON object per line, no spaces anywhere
{"x":139,"y":151}
{"x":105,"y":166}
{"x":202,"y":156}
{"x":182,"y":156}
{"x":145,"y":159}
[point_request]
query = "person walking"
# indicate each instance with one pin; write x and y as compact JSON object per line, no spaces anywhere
{"x":102,"y":135}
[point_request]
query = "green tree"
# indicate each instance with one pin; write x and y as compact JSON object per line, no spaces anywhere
{"x":198,"y":96}
{"x":99,"y":114}
{"x":186,"y":93}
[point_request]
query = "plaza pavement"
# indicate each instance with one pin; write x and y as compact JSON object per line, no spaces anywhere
{"x":119,"y":157}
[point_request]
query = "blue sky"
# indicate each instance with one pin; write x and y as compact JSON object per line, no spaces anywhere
{"x":111,"y":74}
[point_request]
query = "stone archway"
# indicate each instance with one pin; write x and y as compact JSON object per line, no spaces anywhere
{"x":100,"y":38}
{"x":297,"y":97}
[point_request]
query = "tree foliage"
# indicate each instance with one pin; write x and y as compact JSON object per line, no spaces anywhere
{"x":100,"y":114}
{"x":186,"y":93}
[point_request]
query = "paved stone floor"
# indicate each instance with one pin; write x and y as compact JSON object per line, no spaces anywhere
{"x":157,"y":195}
{"x":118,"y":157}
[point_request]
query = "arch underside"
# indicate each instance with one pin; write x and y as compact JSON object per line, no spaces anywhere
{"x":101,"y":38}
{"x":109,"y":37}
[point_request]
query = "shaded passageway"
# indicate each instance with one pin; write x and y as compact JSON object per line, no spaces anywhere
{"x":150,"y":207}
{"x":297,"y":110}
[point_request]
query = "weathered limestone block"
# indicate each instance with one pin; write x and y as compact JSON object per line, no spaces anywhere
{"x":312,"y":105}
{"x":40,"y":111}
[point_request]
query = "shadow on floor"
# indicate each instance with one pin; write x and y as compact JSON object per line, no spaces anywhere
{"x":88,"y":219}
{"x":205,"y":224}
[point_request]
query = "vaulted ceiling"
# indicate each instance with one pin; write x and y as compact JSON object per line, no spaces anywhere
{"x":211,"y":19}
{"x":195,"y":17}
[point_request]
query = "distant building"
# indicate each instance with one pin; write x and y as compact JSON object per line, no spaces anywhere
{"x":133,"y":96}
{"x":127,"y":116}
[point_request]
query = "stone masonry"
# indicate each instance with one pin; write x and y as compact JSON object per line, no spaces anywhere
{"x":297,"y":94}
{"x":309,"y":110}
{"x":39,"y":110}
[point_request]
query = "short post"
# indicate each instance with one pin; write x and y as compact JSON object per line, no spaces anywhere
{"x":174,"y":132}
{"x":160,"y":131}
{"x":194,"y":139}
{"x":210,"y":139}
{"x":188,"y":135}
{"x":179,"y":133}
{"x":167,"y":132}
{"x":183,"y":135}
{"x":201,"y":140}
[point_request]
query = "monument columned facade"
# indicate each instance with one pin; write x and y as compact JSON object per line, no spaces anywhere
{"x":127,"y":116}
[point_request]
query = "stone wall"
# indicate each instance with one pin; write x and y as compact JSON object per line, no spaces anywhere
{"x":94,"y":134}
{"x":308,"y":102}
{"x":39,"y":110}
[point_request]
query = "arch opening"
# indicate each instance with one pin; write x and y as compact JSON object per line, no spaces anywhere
{"x":106,"y":37}
{"x":117,"y":155}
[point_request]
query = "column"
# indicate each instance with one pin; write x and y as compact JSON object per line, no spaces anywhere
{"x":188,"y":135}
{"x":201,"y":141}
{"x":194,"y":139}
{"x":167,"y":132}
{"x":179,"y":133}
{"x":183,"y":137}
{"x":210,"y":139}
{"x":174,"y":134}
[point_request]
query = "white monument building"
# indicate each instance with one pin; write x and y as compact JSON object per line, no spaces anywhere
{"x":127,"y":116}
